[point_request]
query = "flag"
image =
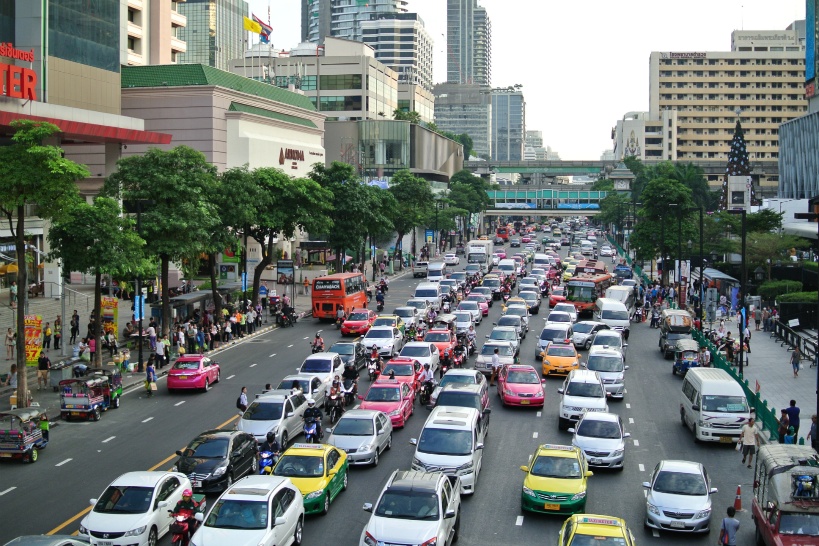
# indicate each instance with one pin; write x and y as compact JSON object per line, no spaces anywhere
{"x":251,"y":25}
{"x":264,"y":35}
{"x":758,"y":387}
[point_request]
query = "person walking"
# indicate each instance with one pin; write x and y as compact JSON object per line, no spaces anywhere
{"x":729,"y":528}
{"x":749,"y":438}
{"x":152,"y":336}
{"x":746,"y":339}
{"x":75,"y":328}
{"x":306,"y":284}
{"x":160,"y":353}
{"x":811,"y":437}
{"x":793,"y":416}
{"x":43,"y":365}
{"x":758,"y":318}
{"x":58,"y":332}
{"x":47,"y":333}
{"x":13,"y":295}
{"x":11,"y":340}
{"x":241,"y":403}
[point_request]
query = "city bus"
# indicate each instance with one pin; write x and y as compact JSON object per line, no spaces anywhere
{"x":583,"y":289}
{"x":502,"y":233}
{"x":340,"y":291}
{"x":591,"y":267}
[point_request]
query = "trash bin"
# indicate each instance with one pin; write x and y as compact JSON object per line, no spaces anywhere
{"x":64,"y":369}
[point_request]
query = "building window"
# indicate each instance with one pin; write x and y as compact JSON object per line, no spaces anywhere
{"x":85,"y":32}
{"x":343,"y":81}
{"x":131,"y":43}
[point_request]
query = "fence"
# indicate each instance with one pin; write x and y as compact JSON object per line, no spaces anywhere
{"x":765,"y":416}
{"x":790,"y":337}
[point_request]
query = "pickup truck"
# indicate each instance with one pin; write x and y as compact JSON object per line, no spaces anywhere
{"x":419,"y":269}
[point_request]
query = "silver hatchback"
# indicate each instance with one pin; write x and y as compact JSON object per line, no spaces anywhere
{"x":679,"y":497}
{"x":363,"y":435}
{"x":602,"y":439}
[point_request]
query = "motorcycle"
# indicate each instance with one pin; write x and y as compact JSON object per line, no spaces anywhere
{"x":445,"y":365}
{"x":380,"y":306}
{"x":446,"y":307}
{"x":457,"y":359}
{"x":334,"y":403}
{"x":384,"y":286}
{"x":425,"y":392}
{"x":638,"y":315}
{"x":372,"y":369}
{"x":267,"y":460}
{"x":350,"y":391}
{"x":316,"y":348}
{"x":506,"y":296}
{"x":182,"y":527}
{"x":339,"y":322}
{"x":311,"y":435}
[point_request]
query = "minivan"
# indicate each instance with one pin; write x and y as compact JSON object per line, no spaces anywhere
{"x":586,"y":248}
{"x":713,"y":405}
{"x":437,"y":271}
{"x":508,"y":266}
{"x":430,"y":292}
{"x":582,"y":391}
{"x":613,"y":314}
{"x":452,"y":442}
{"x":623,"y":294}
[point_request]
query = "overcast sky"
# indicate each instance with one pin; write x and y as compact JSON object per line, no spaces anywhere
{"x":582,"y":64}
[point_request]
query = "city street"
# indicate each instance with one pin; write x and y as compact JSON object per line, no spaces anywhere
{"x":83,"y":457}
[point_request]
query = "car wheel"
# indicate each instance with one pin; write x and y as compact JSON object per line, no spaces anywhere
{"x":587,"y":345}
{"x":152,"y":537}
{"x":456,"y":533}
{"x":95,"y":416}
{"x":33,"y":456}
{"x":375,"y":458}
{"x":284,"y":441}
{"x":254,"y":466}
{"x":326,"y":507}
{"x":298,"y":534}
{"x":218,"y":376}
{"x":346,"y":479}
{"x":115,"y":403}
{"x":207,"y":385}
{"x":389,"y":443}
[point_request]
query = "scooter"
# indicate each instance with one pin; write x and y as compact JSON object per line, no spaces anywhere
{"x":457,"y":360}
{"x":182,"y":527}
{"x":311,"y":435}
{"x":350,"y":391}
{"x":446,"y":307}
{"x":267,"y":460}
{"x":372,"y":369}
{"x":315,"y":348}
{"x":445,"y":365}
{"x":380,"y":306}
{"x":334,"y":403}
{"x":426,"y":392}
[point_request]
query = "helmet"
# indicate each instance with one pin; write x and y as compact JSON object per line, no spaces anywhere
{"x":311,"y":402}
{"x":187,"y":493}
{"x":426,"y":366}
{"x":271,"y":436}
{"x":318,"y":334}
{"x":374,"y":347}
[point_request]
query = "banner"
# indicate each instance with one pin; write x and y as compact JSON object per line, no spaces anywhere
{"x":110,"y":314}
{"x":285,"y":272}
{"x":34,"y":338}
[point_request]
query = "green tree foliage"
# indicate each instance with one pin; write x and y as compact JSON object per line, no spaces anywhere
{"x":33,"y":173}
{"x":771,"y":290}
{"x":764,"y":248}
{"x":411,"y":116}
{"x":378,"y":223}
{"x":614,"y":209}
{"x":798,"y":297}
{"x":97,"y":239}
{"x":468,"y":145}
{"x":603,"y":184}
{"x":178,"y":215}
{"x":414,"y":199}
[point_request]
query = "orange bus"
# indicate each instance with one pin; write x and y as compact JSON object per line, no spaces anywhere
{"x":582,"y":290}
{"x":591,"y":267}
{"x":502,"y":233}
{"x":340,"y":291}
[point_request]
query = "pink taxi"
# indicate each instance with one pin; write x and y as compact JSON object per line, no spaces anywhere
{"x":393,"y":397}
{"x":193,"y":372}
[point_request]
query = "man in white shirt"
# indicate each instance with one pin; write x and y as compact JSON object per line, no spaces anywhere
{"x":495,"y":367}
{"x":160,"y":354}
{"x":749,"y":438}
{"x":152,"y":337}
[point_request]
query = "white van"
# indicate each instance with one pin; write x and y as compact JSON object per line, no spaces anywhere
{"x":713,"y":405}
{"x":452,"y":442}
{"x":508,"y":267}
{"x":430,"y":292}
{"x":613,"y":314}
{"x":623,"y":294}
{"x":437,"y":271}
{"x":542,"y":260}
{"x":586,"y":248}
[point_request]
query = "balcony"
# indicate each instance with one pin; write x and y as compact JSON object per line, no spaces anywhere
{"x":134,"y":31}
{"x":178,"y":45}
{"x":135,"y":59}
{"x":178,"y":20}
{"x":136,"y":4}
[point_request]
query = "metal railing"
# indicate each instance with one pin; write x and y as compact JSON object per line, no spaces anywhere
{"x":790,"y":337}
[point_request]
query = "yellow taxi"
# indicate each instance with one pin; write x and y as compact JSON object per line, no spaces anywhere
{"x":569,"y":272}
{"x":556,"y":480}
{"x":319,"y":471}
{"x":559,"y":358}
{"x":594,"y":530}
{"x":390,"y":320}
{"x":515,"y":301}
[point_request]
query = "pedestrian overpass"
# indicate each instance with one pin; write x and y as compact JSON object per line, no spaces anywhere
{"x":544,"y":201}
{"x":548,"y":168}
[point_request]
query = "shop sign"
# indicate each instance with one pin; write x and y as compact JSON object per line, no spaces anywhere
{"x":34,"y":338}
{"x":290,"y":154}
{"x":18,"y":82}
{"x":7,"y":49}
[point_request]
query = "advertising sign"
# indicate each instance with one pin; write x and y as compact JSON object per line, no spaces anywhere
{"x":230,"y":256}
{"x":34,"y":338}
{"x":110,"y":314}
{"x":429,"y":235}
{"x":285,"y":272}
{"x":227,"y":272}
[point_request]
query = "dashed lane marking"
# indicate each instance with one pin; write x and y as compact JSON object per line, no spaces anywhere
{"x":519,"y":521}
{"x":108,"y":439}
{"x":179,"y":403}
{"x":628,"y":406}
{"x":230,"y":377}
{"x":63,"y":462}
{"x":630,"y":420}
{"x":306,"y":337}
{"x":655,"y":533}
{"x":9,"y":490}
{"x":271,"y":356}
{"x":534,"y":435}
{"x":641,"y":467}
{"x":292,"y":345}
{"x":636,"y":443}
{"x":148,"y":419}
{"x":538,"y":414}
{"x":253,"y":365}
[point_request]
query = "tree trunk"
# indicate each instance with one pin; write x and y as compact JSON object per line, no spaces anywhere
{"x":217,"y":298}
{"x":22,"y":297}
{"x":97,"y":320}
{"x":267,"y":259}
{"x":399,"y":251}
{"x":166,"y":294}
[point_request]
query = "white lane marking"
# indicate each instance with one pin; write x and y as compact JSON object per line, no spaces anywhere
{"x":62,"y":463}
{"x":230,"y":377}
{"x":631,"y":420}
{"x":291,"y":345}
{"x":628,"y":406}
{"x":655,"y":533}
{"x":625,"y":391}
{"x":108,"y":439}
{"x":10,"y":489}
{"x":534,"y":435}
{"x":148,"y":419}
{"x":252,"y":365}
{"x":641,"y":467}
{"x":636,"y":443}
{"x":179,"y":403}
{"x":519,"y":521}
{"x":306,"y":337}
{"x":645,"y":493}
{"x":271,"y":356}
{"x":538,"y":414}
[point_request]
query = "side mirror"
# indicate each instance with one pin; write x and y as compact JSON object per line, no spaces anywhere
{"x":179,"y":452}
{"x":625,"y":368}
{"x":542,"y":380}
{"x":486,"y":336}
{"x":479,"y":446}
{"x":332,"y":473}
{"x":291,"y":414}
{"x":162,"y":504}
{"x":92,"y":502}
{"x":413,"y":441}
{"x":329,"y":430}
{"x":524,"y":468}
{"x":695,"y":407}
{"x":297,"y":370}
{"x":380,"y":431}
{"x":279,"y":521}
{"x":647,"y":485}
{"x":627,"y":435}
{"x":199,"y":516}
{"x":449,"y":514}
{"x":560,"y":391}
{"x":589,"y":473}
{"x":368,"y":507}
{"x":714,"y":490}
{"x":572,"y":430}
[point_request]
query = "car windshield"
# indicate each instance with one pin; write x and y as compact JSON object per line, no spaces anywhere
{"x":300,"y":466}
{"x":791,"y":523}
{"x":528,"y":296}
{"x":503,"y":350}
{"x":468,"y":306}
{"x":525,"y":378}
{"x":463,"y":317}
{"x":491,"y":283}
{"x":427,"y":293}
{"x":580,"y":293}
{"x":385,"y":321}
{"x":581,"y":328}
{"x":263,"y":411}
{"x":678,"y":336}
{"x":443,"y":441}
{"x":503,"y":335}
{"x":679,"y":483}
{"x":611,"y":341}
{"x":415,"y":351}
{"x":517,"y":311}
{"x":402,"y":504}
{"x":558,"y":291}
{"x":378,"y":334}
{"x":122,"y":499}
{"x":551,"y":334}
{"x":238,"y":514}
{"x":559,"y":316}
{"x":287,"y":384}
{"x":399,"y":369}
{"x":459,"y":379}
{"x":433,"y":337}
{"x":383,"y":394}
{"x":186,"y":365}
{"x":417,"y":304}
{"x":459,"y":400}
{"x":605,"y":363}
{"x":354,"y":427}
{"x":556,"y":467}
{"x":614,"y":315}
{"x":560,"y":351}
{"x":599,"y":429}
{"x":358,"y":316}
{"x":405,"y":313}
{"x":584,"y":390}
{"x":509,"y":320}
{"x":343,"y":348}
{"x":724,"y":404}
{"x":478,"y":298}
{"x":315,"y":365}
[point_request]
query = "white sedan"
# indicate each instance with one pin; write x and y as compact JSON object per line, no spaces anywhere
{"x":606,"y":251}
{"x":451,"y":259}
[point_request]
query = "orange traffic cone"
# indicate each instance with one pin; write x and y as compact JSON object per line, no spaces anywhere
{"x":738,"y":500}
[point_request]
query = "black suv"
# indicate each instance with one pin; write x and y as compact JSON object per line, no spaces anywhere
{"x":351,"y":352}
{"x":514,"y":242}
{"x":216,"y":458}
{"x":464,"y":395}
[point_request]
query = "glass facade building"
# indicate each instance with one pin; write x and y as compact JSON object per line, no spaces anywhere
{"x":342,"y":18}
{"x":85,"y":32}
{"x":508,"y":125}
{"x":214,"y":33}
{"x":7,"y":21}
{"x":469,"y":43}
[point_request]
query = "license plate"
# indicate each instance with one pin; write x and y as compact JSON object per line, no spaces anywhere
{"x":182,"y":376}
{"x":726,"y":440}
{"x":5,"y":455}
{"x":595,"y":461}
{"x":524,"y":402}
{"x":548,"y":506}
{"x":196,"y":483}
{"x":677,"y":525}
{"x":104,"y":543}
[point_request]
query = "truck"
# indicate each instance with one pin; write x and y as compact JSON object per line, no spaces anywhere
{"x":785,"y":505}
{"x":480,"y":252}
{"x":419,"y":269}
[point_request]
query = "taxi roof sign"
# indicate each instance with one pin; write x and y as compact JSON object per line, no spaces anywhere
{"x":600,"y":521}
{"x":557,"y":447}
{"x":308,"y":446}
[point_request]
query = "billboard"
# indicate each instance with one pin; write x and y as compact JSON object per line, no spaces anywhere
{"x":810,"y":40}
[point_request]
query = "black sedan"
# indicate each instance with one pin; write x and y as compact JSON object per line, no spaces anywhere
{"x":351,"y":351}
{"x":217,"y":458}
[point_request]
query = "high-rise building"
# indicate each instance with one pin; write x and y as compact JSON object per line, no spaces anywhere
{"x":401,"y":42}
{"x":215,"y":31}
{"x":465,"y":108}
{"x":533,"y":147}
{"x":342,"y":18}
{"x":469,"y":43}
{"x":152,"y":30}
{"x":508,"y":123}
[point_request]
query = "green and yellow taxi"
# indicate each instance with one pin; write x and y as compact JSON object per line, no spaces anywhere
{"x":569,"y":272}
{"x":594,"y":530}
{"x":556,"y":480}
{"x":319,"y":471}
{"x":390,"y":320}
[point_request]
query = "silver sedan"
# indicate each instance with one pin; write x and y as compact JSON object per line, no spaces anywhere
{"x":363,"y":435}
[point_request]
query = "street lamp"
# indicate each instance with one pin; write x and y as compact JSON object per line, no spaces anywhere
{"x":813,"y":217}
{"x":742,"y":284}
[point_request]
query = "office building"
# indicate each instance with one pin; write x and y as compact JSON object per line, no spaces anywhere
{"x":533,"y":147}
{"x":465,"y":108}
{"x":214,"y":33}
{"x":153,"y":32}
{"x":469,"y":43}
{"x":415,"y":98}
{"x":342,"y":18}
{"x":401,"y":42}
{"x":508,"y":123}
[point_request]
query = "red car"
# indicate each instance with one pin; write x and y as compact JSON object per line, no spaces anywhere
{"x":391,"y":396}
{"x":443,"y":339}
{"x":557,"y":295}
{"x":482,"y":302}
{"x":526,"y":239}
{"x":193,"y":372}
{"x":520,"y":385}
{"x":406,"y":370}
{"x":358,"y":322}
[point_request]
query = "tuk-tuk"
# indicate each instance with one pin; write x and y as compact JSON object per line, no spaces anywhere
{"x":444,"y":321}
{"x":20,"y":434}
{"x":114,"y":375}
{"x":86,"y":397}
{"x":686,"y":355}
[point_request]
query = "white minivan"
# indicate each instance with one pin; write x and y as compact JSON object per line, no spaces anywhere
{"x":586,"y":248}
{"x":713,"y":405}
{"x":452,"y":442}
{"x":430,"y":292}
{"x":437,"y":271}
{"x":613,"y":314}
{"x":507,"y":266}
{"x":623,"y":294}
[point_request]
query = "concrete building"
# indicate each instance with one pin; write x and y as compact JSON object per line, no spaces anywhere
{"x":533,"y":146}
{"x":466,"y":108}
{"x":607,"y":155}
{"x":151,"y":32}
{"x":469,"y":43}
{"x":341,"y":18}
{"x":401,"y":42}
{"x":215,"y":33}
{"x":508,"y":123}
{"x":416,"y":98}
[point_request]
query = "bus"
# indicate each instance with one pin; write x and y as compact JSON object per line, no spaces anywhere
{"x":592,"y":267}
{"x":502,"y":233}
{"x":583,"y":289}
{"x":340,"y":291}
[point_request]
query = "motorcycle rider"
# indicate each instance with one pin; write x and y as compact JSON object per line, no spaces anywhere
{"x":318,"y":342}
{"x":271,"y":445}
{"x":187,"y":503}
{"x":426,"y":378}
{"x":340,"y":316}
{"x":379,"y":298}
{"x":314,"y":413}
{"x":459,"y":350}
{"x":471,"y":335}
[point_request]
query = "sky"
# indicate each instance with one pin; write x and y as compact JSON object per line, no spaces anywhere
{"x":582,"y":64}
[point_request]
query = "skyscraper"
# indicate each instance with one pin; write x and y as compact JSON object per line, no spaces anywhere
{"x":214,"y":32}
{"x":469,"y":43}
{"x":464,"y":108}
{"x":508,"y":123}
{"x":401,"y":42}
{"x":342,"y":18}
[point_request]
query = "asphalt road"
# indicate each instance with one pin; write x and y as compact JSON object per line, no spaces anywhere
{"x":83,"y":458}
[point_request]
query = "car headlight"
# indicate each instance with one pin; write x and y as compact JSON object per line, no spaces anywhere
{"x":314,"y":494}
{"x":701,"y":423}
{"x":653,"y":509}
{"x":465,"y":468}
{"x":416,"y":463}
{"x":367,"y":447}
{"x":703,"y":514}
{"x":547,"y":363}
{"x":395,"y":413}
{"x":219,"y":471}
{"x":508,"y":392}
{"x":618,"y":452}
{"x":527,"y":491}
{"x":578,"y":496}
{"x":83,"y":530}
{"x":136,"y":532}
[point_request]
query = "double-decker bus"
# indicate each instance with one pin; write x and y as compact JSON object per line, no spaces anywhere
{"x":583,"y":289}
{"x":502,"y":233}
{"x":340,"y":291}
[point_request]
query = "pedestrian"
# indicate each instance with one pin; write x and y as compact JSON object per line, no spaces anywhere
{"x":11,"y":341}
{"x":749,"y":439}
{"x":92,"y":347}
{"x":214,"y":336}
{"x":793,"y":416}
{"x":795,"y":357}
{"x":811,"y":437}
{"x":150,"y":375}
{"x":790,"y":437}
{"x":306,"y":284}
{"x":111,"y":343}
{"x":75,"y":328}
{"x":44,"y":426}
{"x":746,"y":339}
{"x":495,"y":367}
{"x":152,"y":336}
{"x":705,"y":357}
{"x":757,"y":317}
{"x":13,"y":295}
{"x":200,"y":341}
{"x":47,"y":333}
{"x":58,"y":332}
{"x":729,"y":528}
{"x":241,"y":403}
{"x":782,"y":425}
{"x":43,"y":365}
{"x":160,"y":353}
{"x":11,"y":380}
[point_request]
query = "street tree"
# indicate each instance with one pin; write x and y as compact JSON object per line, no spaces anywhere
{"x":765,"y":249}
{"x":33,"y":173}
{"x":378,"y":222}
{"x":414,"y":198}
{"x":411,"y":116}
{"x":177,"y":215}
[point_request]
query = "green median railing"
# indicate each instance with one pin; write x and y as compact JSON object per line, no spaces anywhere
{"x":765,"y":416}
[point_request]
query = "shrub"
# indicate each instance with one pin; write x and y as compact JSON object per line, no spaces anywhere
{"x":771,"y":290}
{"x":799,"y":297}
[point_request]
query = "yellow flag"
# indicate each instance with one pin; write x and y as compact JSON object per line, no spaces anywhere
{"x":252,"y":25}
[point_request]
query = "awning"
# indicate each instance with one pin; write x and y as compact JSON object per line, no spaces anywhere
{"x":91,"y":132}
{"x":11,"y":269}
{"x":190,"y":297}
{"x":717,"y":275}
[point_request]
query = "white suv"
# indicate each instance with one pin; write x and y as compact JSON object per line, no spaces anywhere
{"x":582,"y":390}
{"x":423,"y":505}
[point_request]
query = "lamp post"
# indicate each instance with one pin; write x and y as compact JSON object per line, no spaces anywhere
{"x":742,"y":285}
{"x":139,"y":302}
{"x":813,"y":217}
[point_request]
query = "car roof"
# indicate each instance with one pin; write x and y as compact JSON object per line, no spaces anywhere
{"x":384,"y":382}
{"x":321,"y":356}
{"x":505,"y":328}
{"x":601,"y":416}
{"x":469,"y":387}
{"x":417,"y":344}
{"x":559,"y":450}
{"x":302,"y":376}
{"x":607,"y":352}
{"x":565,"y":343}
{"x":254,"y":487}
{"x":361,"y":310}
{"x":584,"y":376}
{"x":592,"y":322}
{"x":452,"y":416}
{"x":414,"y":480}
{"x":359,"y":413}
{"x":377,"y":328}
{"x":270,"y":396}
{"x":462,"y":371}
{"x":520,"y":368}
{"x":145,"y":478}
{"x":308,"y":449}
{"x":674,"y":465}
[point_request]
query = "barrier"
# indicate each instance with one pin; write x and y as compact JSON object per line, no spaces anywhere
{"x":787,"y":335}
